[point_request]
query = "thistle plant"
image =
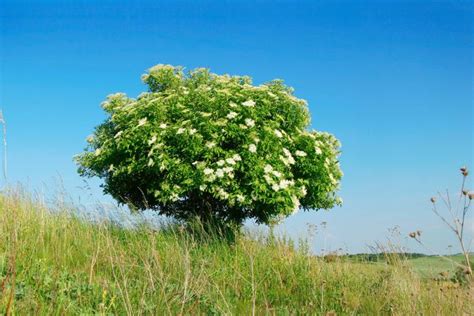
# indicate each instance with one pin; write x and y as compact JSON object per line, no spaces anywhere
{"x":213,"y":146}
{"x":455,"y":218}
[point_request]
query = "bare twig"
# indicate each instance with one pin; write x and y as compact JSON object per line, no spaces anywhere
{"x":458,"y":219}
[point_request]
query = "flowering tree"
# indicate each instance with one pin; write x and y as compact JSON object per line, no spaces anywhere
{"x":217,"y":147}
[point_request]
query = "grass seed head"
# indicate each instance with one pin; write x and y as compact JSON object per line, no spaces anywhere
{"x":433,"y":199}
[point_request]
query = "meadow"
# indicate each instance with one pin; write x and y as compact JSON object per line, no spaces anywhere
{"x":54,"y":263}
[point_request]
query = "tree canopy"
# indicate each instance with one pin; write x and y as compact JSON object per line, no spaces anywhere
{"x":213,"y":146}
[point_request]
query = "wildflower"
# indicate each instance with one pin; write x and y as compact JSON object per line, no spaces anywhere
{"x":237,"y":157}
{"x":142,"y":122}
{"x":97,"y":152}
{"x":232,"y":105}
{"x":242,"y":126}
{"x":240,"y":198}
{"x":249,"y":103}
{"x":433,"y":200}
{"x":180,"y":130}
{"x":231,"y":115}
{"x":318,"y":150}
{"x":300,"y":153}
{"x":219,"y":173}
{"x":208,"y":171}
{"x":249,"y":122}
{"x":203,"y":187}
{"x":192,"y":131}
{"x":111,"y":168}
{"x":278,"y":133}
{"x":339,"y":201}
{"x":252,"y":148}
{"x":275,"y":187}
{"x":150,"y":162}
{"x":163,"y":125}
{"x":210,"y":144}
{"x":205,"y":114}
{"x":118,"y":134}
{"x":220,"y":163}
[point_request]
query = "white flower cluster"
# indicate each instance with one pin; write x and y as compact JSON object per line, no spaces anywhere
{"x":210,"y":144}
{"x":223,"y":194}
{"x":284,"y":184}
{"x":211,"y":174}
{"x":142,"y":122}
{"x":296,"y":204}
{"x":249,"y":122}
{"x":231,"y":115}
{"x":300,"y":153}
{"x":288,"y":158}
{"x":278,"y":184}
{"x":249,"y":103}
{"x":152,"y":140}
{"x":253,"y":148}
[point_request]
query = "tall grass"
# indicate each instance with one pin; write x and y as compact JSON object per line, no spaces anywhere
{"x":55,"y":263}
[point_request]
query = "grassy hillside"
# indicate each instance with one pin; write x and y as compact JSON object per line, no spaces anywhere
{"x":433,"y":266}
{"x":58,"y":264}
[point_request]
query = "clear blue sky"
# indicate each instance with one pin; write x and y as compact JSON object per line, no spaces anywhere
{"x":391,"y":79}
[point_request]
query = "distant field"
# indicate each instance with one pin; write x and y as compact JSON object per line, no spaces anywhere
{"x":432,"y":266}
{"x":56,"y":264}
